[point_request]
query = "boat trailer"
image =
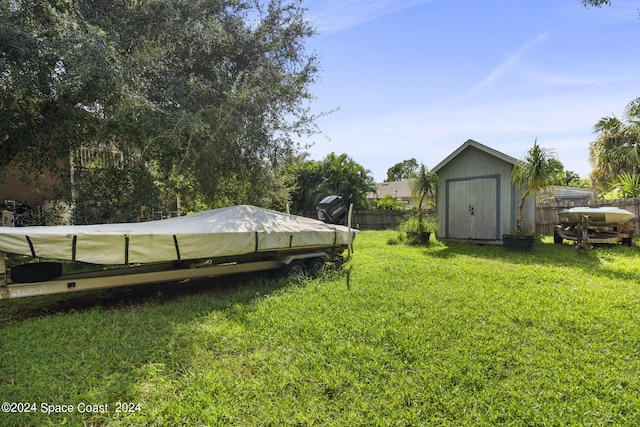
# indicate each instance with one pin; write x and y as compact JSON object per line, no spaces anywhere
{"x":299,"y":264}
{"x":585,"y":232}
{"x":306,"y":259}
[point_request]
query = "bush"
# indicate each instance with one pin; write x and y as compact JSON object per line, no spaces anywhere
{"x":418,"y":229}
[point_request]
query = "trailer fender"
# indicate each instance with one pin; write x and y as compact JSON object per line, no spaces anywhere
{"x":288,"y":259}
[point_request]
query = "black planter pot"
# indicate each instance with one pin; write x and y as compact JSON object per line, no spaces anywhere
{"x":418,"y":237}
{"x":517,"y":243}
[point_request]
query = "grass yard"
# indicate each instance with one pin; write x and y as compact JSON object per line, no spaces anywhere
{"x":447,"y":335}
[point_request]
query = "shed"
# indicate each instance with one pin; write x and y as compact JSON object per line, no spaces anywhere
{"x":476,"y":197}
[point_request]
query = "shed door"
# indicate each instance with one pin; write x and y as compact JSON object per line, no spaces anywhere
{"x":473,"y":209}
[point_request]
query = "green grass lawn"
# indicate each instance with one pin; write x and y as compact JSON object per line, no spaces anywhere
{"x":449,"y":334}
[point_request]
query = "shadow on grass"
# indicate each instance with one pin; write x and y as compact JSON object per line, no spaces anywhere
{"x":98,"y":346}
{"x":545,"y":253}
{"x":127,"y":296}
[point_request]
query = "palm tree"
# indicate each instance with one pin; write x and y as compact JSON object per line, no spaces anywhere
{"x":424,"y":185}
{"x":627,"y":185}
{"x":534,"y":172}
{"x":617,"y":147}
{"x":347,"y":178}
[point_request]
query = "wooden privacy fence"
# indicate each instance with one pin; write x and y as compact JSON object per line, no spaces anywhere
{"x":547,"y":213}
{"x":379,"y":220}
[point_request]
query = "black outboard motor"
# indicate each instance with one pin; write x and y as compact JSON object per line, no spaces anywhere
{"x":331,"y":209}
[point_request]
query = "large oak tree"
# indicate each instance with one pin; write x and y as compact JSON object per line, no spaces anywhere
{"x":210,"y":93}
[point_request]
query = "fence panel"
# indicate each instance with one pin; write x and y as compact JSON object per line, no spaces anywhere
{"x":379,"y":220}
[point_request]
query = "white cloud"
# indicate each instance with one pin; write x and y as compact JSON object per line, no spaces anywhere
{"x":431,"y":133}
{"x":502,"y":69}
{"x":331,"y":16}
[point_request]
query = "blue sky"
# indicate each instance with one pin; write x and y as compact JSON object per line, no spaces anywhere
{"x":417,"y":78}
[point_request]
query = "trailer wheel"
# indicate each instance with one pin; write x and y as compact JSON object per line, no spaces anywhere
{"x":315,"y":266}
{"x":557,"y":238}
{"x":35,"y":272}
{"x":626,"y":241}
{"x":295,"y":269}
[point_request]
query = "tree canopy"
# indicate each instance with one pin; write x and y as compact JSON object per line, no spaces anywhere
{"x":616,"y":150}
{"x":336,"y":174}
{"x":403,"y":170}
{"x":210,"y":91}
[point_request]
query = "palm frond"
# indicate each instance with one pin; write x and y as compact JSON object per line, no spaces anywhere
{"x":424,"y":185}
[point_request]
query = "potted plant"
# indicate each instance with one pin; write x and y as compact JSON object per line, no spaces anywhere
{"x":418,"y":229}
{"x":424,"y":185}
{"x":533,"y":172}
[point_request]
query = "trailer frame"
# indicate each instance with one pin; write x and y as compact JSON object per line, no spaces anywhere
{"x":172,"y":271}
{"x":301,"y":262}
{"x":585,"y":233}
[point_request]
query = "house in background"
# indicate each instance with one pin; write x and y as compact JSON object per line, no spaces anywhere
{"x":30,"y":188}
{"x":476,"y":198}
{"x":36,"y":194}
{"x":401,"y":190}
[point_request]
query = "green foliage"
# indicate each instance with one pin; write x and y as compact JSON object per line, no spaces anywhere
{"x":307,"y":176}
{"x":217,"y":89}
{"x":54,"y":71}
{"x":347,"y":178}
{"x":420,"y":224}
{"x":107,"y":195}
{"x":403,"y":170}
{"x":425,"y":186}
{"x":617,"y":147}
{"x":564,"y":177}
{"x":627,"y":185}
{"x":388,"y":203}
{"x":415,"y":229}
{"x":450,"y":334}
{"x":534,"y":172}
{"x":335,"y":174}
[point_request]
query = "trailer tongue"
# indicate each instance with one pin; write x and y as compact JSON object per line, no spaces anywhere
{"x":217,"y":242}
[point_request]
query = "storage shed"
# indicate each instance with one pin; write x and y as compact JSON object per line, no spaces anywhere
{"x":476,"y":198}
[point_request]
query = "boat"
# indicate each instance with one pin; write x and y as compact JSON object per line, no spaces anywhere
{"x":218,"y":242}
{"x":597,"y":216}
{"x":225,"y":232}
{"x":586,"y":225}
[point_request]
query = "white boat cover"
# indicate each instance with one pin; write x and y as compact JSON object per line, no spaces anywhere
{"x":235,"y":230}
{"x":597,"y":216}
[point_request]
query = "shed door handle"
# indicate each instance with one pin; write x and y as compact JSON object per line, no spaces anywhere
{"x":471,"y":209}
